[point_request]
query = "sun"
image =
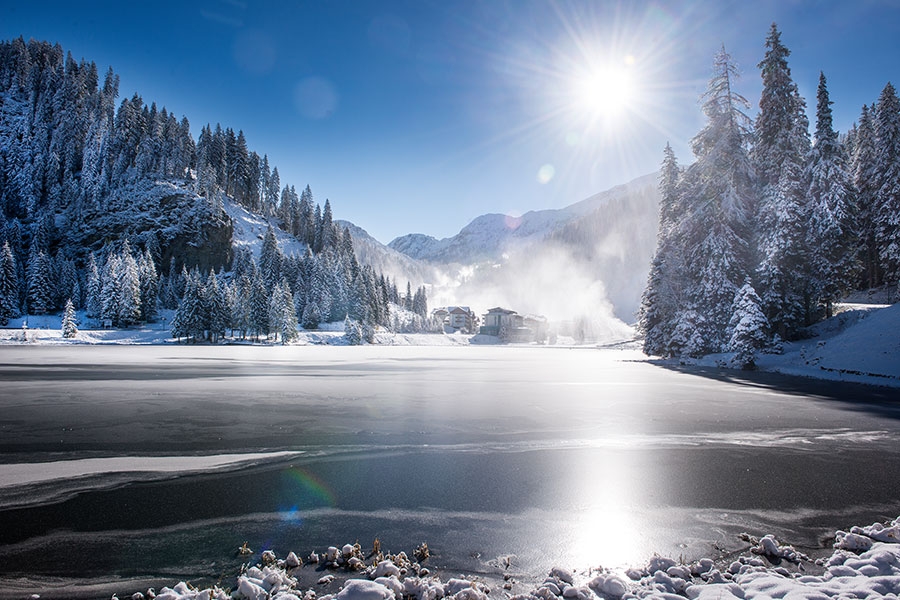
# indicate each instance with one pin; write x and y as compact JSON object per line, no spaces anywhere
{"x":604,"y":91}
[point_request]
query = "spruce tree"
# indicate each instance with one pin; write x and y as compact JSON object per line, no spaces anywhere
{"x":865,"y":184}
{"x":69,"y":321}
{"x":311,"y":315}
{"x":663,"y":297}
{"x":831,"y":232}
{"x":887,"y":180}
{"x":190,"y":317}
{"x":259,"y":307}
{"x":717,"y":193}
{"x":149,"y":286}
{"x":352,"y":332}
{"x":215,"y":308}
{"x":749,"y":327}
{"x":93,"y":301}
{"x":40,"y":290}
{"x":282,"y":317}
{"x":9,"y":285}
{"x":128,"y":287}
{"x":779,"y":156}
{"x":270,"y":259}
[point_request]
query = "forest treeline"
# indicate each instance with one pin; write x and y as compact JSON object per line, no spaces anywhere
{"x":768,"y":228}
{"x":119,"y":210}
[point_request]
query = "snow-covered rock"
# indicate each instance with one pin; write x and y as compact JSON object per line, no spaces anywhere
{"x":361,"y":589}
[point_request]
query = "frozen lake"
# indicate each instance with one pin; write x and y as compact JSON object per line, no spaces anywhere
{"x":549,"y":456}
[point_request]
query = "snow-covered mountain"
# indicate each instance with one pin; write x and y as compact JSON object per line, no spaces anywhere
{"x":396,"y":265}
{"x":489,"y":236}
{"x":588,"y":261}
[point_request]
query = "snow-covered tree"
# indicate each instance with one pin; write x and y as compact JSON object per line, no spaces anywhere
{"x":128,"y":288}
{"x":215,"y":309}
{"x":149,"y":286}
{"x":865,"y":183}
{"x":779,"y":156}
{"x":282,"y":317}
{"x":93,"y":300}
{"x":831,"y":231}
{"x":259,"y":307}
{"x":749,"y":327}
{"x":663,"y":297}
{"x":40,"y":284}
{"x":717,"y":191}
{"x":270,"y":259}
{"x":9,"y":285}
{"x":887,"y":180}
{"x":69,"y":321}
{"x":352,"y":332}
{"x":311,"y":315}
{"x":189,"y":319}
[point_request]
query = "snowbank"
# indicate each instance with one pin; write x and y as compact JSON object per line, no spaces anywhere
{"x":868,"y":567}
{"x":861,"y":344}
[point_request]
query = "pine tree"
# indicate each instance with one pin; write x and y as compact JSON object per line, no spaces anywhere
{"x":9,"y":285}
{"x":259,"y":307}
{"x":311,"y":315}
{"x":663,"y":297}
{"x":270,"y":258}
{"x":128,"y":286}
{"x":717,"y":193}
{"x":865,"y":184}
{"x":69,"y":322}
{"x":189,"y":318}
{"x":831,"y":231}
{"x":352,"y":332}
{"x":282,"y":317}
{"x":149,"y":286}
{"x":215,"y":309}
{"x":779,"y":155}
{"x":40,"y":290}
{"x":93,"y":301}
{"x":749,"y":327}
{"x":887,"y":180}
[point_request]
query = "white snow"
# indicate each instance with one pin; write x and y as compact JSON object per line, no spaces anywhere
{"x":249,"y":230}
{"x":18,"y":474}
{"x":858,"y":345}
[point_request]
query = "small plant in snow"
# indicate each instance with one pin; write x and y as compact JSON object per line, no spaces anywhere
{"x":422,"y":553}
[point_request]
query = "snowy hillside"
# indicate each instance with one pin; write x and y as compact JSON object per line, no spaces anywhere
{"x":394,"y":264}
{"x":856,"y":345}
{"x":249,"y":230}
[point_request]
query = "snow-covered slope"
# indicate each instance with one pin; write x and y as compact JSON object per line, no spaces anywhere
{"x":250,"y":228}
{"x":856,"y":345}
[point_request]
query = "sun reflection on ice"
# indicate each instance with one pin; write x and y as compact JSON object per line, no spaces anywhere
{"x":605,"y":536}
{"x":606,"y":530}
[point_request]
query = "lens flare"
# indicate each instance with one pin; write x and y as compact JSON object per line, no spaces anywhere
{"x":306,"y":491}
{"x":545,"y":174}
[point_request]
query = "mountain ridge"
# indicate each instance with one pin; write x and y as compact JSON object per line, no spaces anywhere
{"x":491,"y":234}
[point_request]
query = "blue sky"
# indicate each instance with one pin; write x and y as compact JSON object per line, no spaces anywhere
{"x":417,"y":116}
